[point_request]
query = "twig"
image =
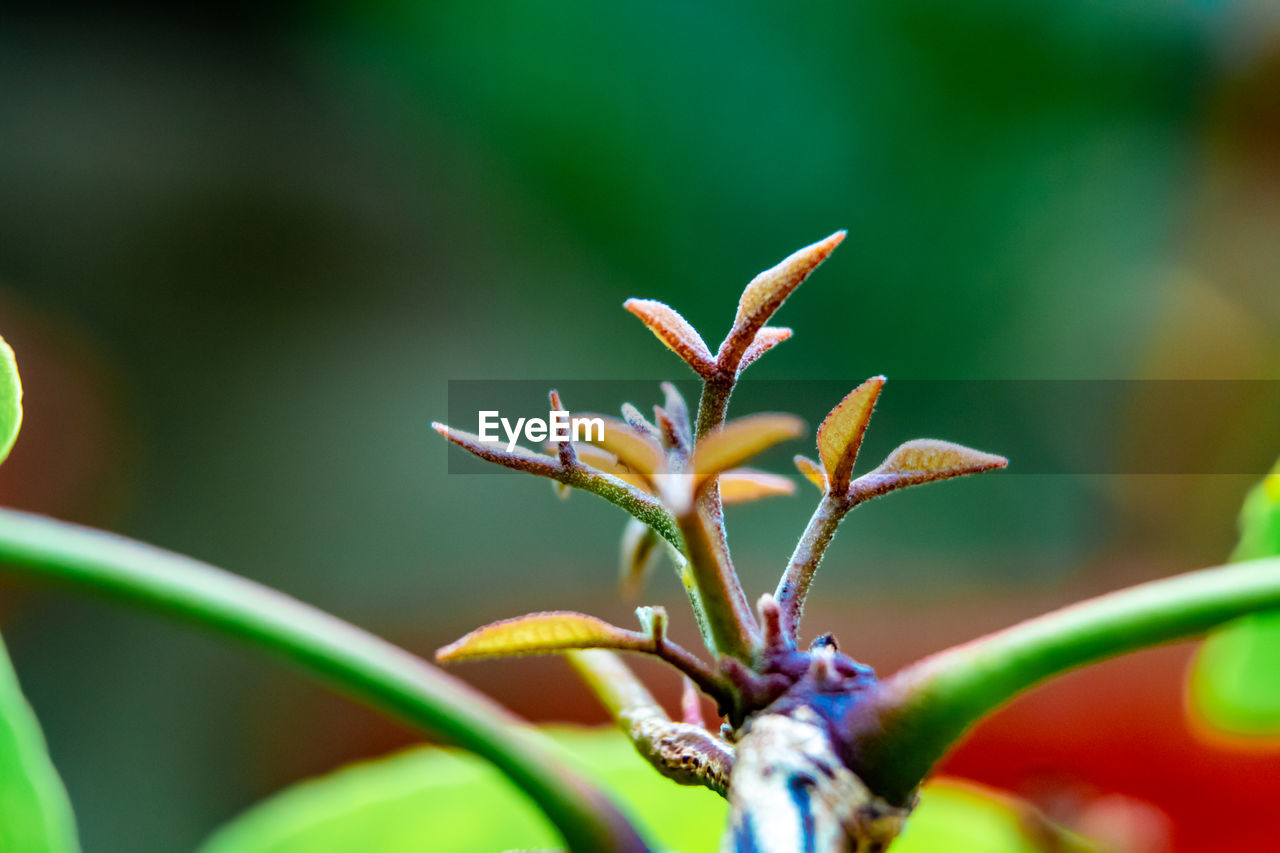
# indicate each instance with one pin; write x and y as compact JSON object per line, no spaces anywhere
{"x":687,"y":754}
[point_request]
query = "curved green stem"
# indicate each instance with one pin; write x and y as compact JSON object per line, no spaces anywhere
{"x":923,"y":709}
{"x":372,"y":670}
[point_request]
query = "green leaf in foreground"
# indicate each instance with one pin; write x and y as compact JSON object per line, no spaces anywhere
{"x":10,"y":400}
{"x":1235,"y":678}
{"x":35,"y":813}
{"x":447,"y":801}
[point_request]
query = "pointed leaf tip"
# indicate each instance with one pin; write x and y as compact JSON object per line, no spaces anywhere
{"x":812,"y":471}
{"x":770,"y":288}
{"x":640,"y":452}
{"x":606,"y":462}
{"x":737,"y":441}
{"x":640,"y":423}
{"x":639,"y":547}
{"x":677,"y":411}
{"x":653,"y":622}
{"x":925,"y":460}
{"x":518,"y":458}
{"x":766,"y":339}
{"x":741,"y":485}
{"x":674,"y":331}
{"x":542,"y":633}
{"x":841,"y":433}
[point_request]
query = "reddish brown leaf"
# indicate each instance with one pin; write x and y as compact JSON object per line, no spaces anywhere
{"x":765,"y":340}
{"x":768,"y":289}
{"x":674,"y":331}
{"x":519,"y":459}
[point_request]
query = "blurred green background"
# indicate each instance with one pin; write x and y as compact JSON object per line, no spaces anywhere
{"x":244,"y":248}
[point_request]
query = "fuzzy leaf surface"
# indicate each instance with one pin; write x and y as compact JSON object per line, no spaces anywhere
{"x":741,"y":485}
{"x":765,"y":340}
{"x":767,"y":291}
{"x":640,"y":453}
{"x":674,"y":331}
{"x":738,"y":440}
{"x":840,"y":435}
{"x":812,"y":472}
{"x":925,"y":460}
{"x":541,"y":633}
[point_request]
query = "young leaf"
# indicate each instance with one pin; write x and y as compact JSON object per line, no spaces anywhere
{"x":767,"y":291}
{"x":676,"y":408}
{"x":672,"y":418}
{"x":740,"y":485}
{"x":10,"y":400}
{"x":737,"y":441}
{"x":640,"y":423}
{"x":35,"y":813}
{"x":923,"y":461}
{"x":841,"y":432}
{"x":637,"y":501}
{"x":606,"y":462}
{"x":518,"y":459}
{"x":542,"y":633}
{"x":759,"y":301}
{"x":812,"y":471}
{"x":765,"y":340}
{"x":565,"y":450}
{"x":653,"y":623}
{"x":639,"y":546}
{"x":673,"y":438}
{"x":674,"y":331}
{"x":639,"y":452}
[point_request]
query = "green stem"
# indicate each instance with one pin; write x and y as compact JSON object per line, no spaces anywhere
{"x":713,"y":405}
{"x":729,"y":619}
{"x":365,"y":667}
{"x":923,"y":709}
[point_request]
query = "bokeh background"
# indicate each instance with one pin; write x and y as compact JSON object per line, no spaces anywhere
{"x":244,"y":248}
